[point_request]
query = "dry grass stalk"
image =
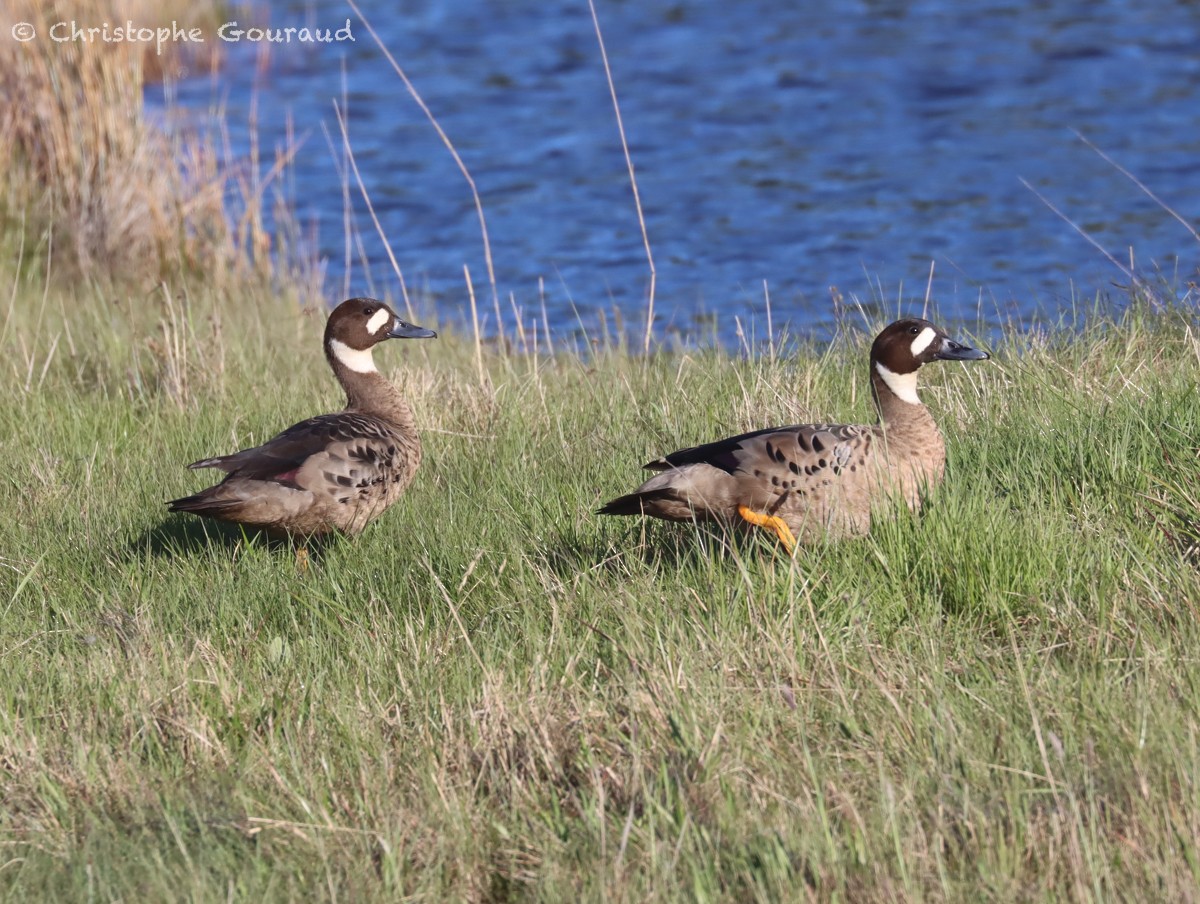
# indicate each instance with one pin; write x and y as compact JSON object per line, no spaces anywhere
{"x":105,"y":191}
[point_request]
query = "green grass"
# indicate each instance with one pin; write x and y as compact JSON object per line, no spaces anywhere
{"x":495,"y":695}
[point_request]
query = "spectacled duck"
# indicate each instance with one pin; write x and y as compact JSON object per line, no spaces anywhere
{"x":815,"y":480}
{"x":334,"y":472}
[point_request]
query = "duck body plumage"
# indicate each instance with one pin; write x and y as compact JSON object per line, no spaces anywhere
{"x":331,"y":472}
{"x":334,"y":472}
{"x":820,"y":480}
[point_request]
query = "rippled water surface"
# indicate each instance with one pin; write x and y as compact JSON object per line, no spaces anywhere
{"x":808,"y":145}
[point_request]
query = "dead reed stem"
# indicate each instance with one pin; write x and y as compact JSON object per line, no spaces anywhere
{"x":462,"y":167}
{"x":119,"y":197}
{"x":366,"y":196}
{"x":637,"y":200}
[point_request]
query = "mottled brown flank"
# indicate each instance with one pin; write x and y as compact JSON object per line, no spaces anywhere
{"x":297,"y":483}
{"x":822,"y":479}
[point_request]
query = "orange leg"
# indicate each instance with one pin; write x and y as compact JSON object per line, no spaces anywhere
{"x":772,"y":523}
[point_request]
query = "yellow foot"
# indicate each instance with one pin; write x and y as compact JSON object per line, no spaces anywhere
{"x":772,"y":523}
{"x":302,"y":560}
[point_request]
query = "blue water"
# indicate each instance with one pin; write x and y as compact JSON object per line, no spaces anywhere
{"x":805,"y":145}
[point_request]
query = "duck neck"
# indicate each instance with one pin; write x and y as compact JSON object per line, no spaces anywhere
{"x":896,"y":396}
{"x":367,"y":390}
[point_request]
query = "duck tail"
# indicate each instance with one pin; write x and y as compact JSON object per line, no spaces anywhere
{"x":204,"y":503}
{"x":641,"y":502}
{"x":224,"y":462}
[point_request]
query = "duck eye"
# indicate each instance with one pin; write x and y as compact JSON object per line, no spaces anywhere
{"x":914,"y":330}
{"x":368,"y":311}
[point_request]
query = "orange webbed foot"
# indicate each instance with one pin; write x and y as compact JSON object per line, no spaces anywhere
{"x":772,"y":523}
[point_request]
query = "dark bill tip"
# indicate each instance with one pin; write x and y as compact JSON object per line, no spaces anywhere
{"x":954,"y":351}
{"x":404,"y":330}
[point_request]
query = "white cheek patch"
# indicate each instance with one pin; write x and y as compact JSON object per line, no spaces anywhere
{"x":380,"y":319}
{"x":362,"y":362}
{"x":903,"y":386}
{"x":922,"y":341}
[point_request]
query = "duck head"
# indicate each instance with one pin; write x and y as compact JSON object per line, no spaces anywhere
{"x":904,"y":347}
{"x":358,"y":325}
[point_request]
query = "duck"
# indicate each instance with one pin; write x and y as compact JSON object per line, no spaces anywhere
{"x":333,"y":473}
{"x":807,"y":482}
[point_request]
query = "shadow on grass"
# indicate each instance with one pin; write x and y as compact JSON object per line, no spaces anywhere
{"x":656,"y":546}
{"x":184,"y":536}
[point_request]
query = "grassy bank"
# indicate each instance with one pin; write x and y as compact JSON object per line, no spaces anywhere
{"x":495,"y":695}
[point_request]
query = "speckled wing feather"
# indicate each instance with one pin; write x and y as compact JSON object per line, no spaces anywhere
{"x":364,"y":463}
{"x":721,"y":453}
{"x":797,"y":468}
{"x":782,"y":453}
{"x":339,"y":436}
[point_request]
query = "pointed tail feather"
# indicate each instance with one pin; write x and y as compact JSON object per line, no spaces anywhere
{"x":204,"y":504}
{"x":638,"y":503}
{"x":221,"y":461}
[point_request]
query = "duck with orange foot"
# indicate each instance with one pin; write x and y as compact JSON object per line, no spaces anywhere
{"x":808,"y":482}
